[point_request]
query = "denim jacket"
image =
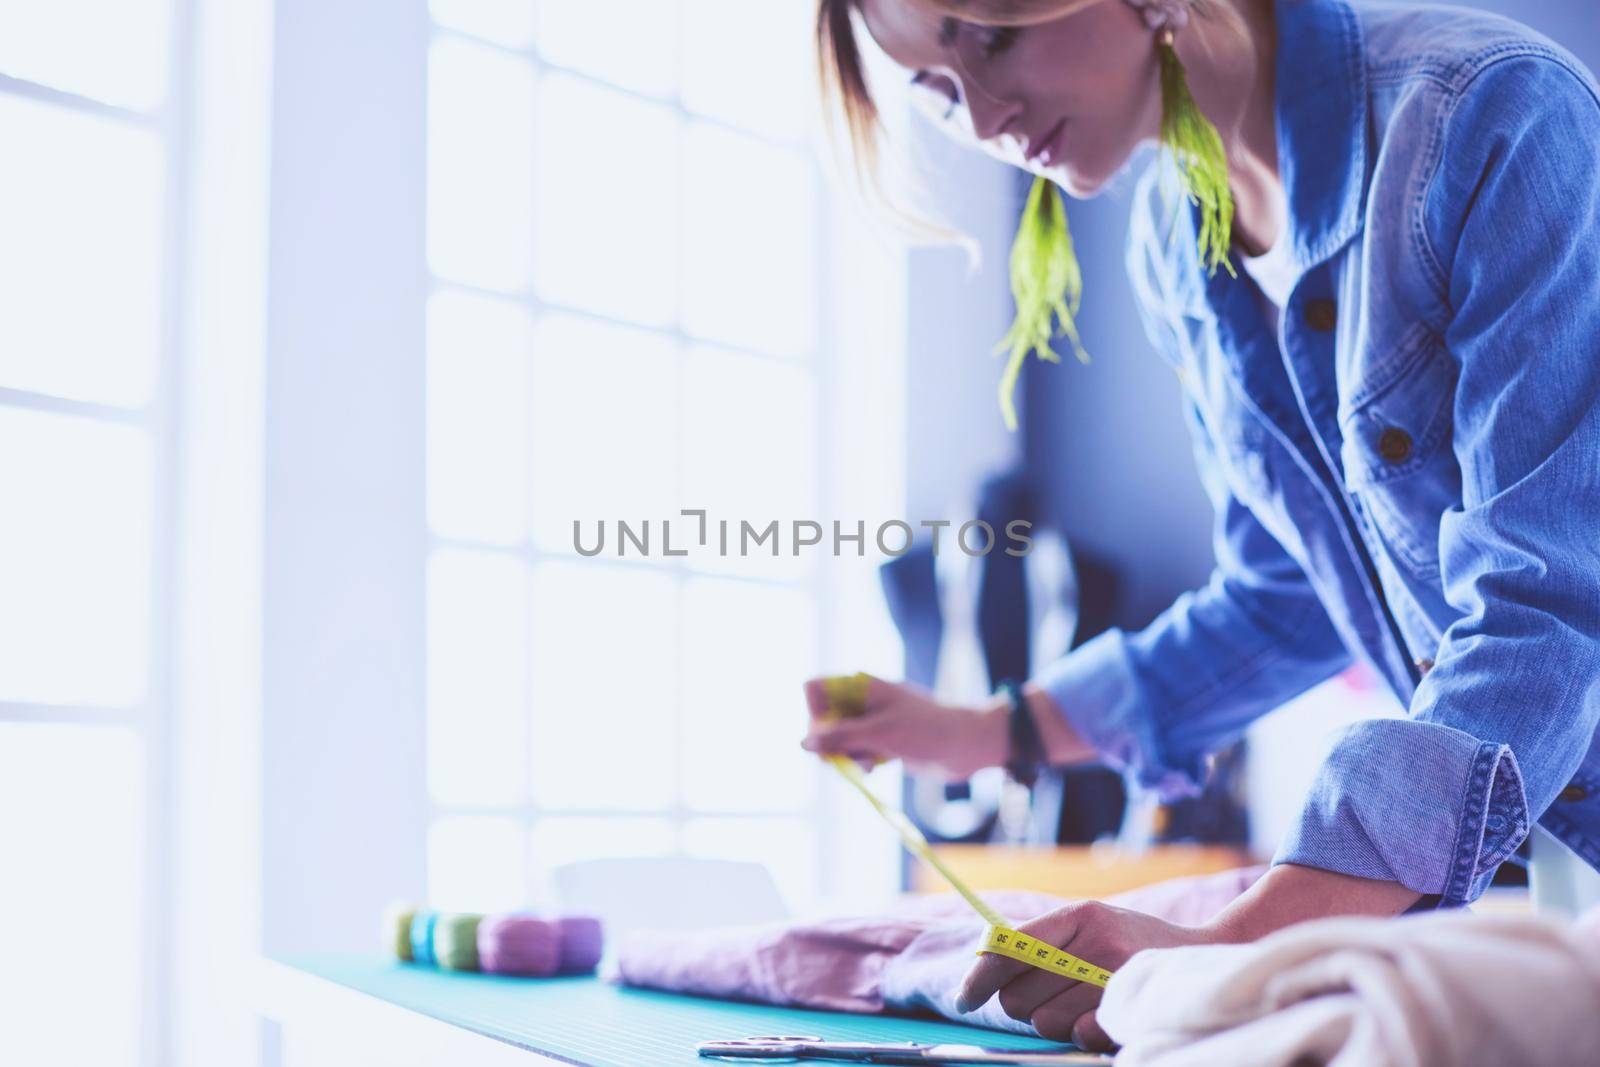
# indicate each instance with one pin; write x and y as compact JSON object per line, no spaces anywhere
{"x":1407,"y":469}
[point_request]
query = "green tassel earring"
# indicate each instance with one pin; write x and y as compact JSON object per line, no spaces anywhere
{"x":1046,"y":282}
{"x":1047,"y":287}
{"x":1197,"y":147}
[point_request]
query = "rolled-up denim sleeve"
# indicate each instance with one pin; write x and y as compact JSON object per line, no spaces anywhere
{"x":1497,"y":727}
{"x":1156,"y":702}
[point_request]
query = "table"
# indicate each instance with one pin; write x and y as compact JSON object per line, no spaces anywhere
{"x":350,"y":1010}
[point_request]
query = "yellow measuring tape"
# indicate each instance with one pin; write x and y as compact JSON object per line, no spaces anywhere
{"x":847,"y":699}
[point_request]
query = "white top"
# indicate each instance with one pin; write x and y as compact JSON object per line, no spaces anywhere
{"x":1273,"y":270}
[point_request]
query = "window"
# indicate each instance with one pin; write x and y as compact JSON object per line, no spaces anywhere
{"x":87,"y":120}
{"x":630,"y":245}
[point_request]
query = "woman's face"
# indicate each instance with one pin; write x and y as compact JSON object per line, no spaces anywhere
{"x":1069,"y":99}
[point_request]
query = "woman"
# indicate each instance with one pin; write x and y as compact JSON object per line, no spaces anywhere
{"x":1395,"y":408}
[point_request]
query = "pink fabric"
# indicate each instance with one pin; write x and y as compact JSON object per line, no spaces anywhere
{"x":909,"y":958}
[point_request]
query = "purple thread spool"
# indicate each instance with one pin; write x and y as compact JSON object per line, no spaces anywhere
{"x":519,"y":944}
{"x":581,"y":943}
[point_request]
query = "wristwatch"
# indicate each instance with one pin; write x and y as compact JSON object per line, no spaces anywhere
{"x":1025,"y":751}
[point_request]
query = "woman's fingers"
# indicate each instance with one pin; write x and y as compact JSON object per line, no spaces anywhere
{"x":1088,"y":1034}
{"x":1025,"y":994}
{"x":845,"y":737}
{"x":1059,"y":1008}
{"x":817,"y":698}
{"x":986,"y":978}
{"x":1058,"y":1018}
{"x":897,"y":721}
{"x":876,"y":692}
{"x":992,"y":972}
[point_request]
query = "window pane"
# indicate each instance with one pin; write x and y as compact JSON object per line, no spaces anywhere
{"x":73,"y":840}
{"x":74,"y":560}
{"x":631,"y":43}
{"x":608,"y":201}
{"x":477,"y":678}
{"x":749,"y":260}
{"x":786,"y":847}
{"x":478,"y":393}
{"x":80,"y":252}
{"x":559,"y":840}
{"x":112,"y":50}
{"x":605,"y":687}
{"x":507,"y":22}
{"x":764,"y":81}
{"x":480,"y":165}
{"x":747,"y":649}
{"x":477,"y":864}
{"x":605,"y":430}
{"x":750,"y":456}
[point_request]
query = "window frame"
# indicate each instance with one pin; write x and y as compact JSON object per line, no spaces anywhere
{"x":151,"y":717}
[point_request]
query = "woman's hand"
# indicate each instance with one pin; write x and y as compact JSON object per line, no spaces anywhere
{"x":903,"y":721}
{"x":1060,"y":1008}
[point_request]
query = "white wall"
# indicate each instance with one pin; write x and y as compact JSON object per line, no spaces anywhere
{"x":342,"y":653}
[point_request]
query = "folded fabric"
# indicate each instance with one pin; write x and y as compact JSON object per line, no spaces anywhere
{"x":1436,"y":990}
{"x":910,"y":959}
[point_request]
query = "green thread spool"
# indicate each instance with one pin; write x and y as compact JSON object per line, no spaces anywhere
{"x":397,"y":919}
{"x":455,"y":941}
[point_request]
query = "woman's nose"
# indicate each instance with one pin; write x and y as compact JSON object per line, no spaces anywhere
{"x":992,"y":115}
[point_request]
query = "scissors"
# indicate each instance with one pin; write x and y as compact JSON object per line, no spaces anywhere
{"x":815,"y":1048}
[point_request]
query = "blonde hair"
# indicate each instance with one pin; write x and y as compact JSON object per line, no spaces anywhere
{"x":852,"y":114}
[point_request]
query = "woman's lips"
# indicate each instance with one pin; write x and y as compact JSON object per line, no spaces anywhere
{"x":1044,"y":150}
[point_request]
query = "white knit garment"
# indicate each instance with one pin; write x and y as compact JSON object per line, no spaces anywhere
{"x":1447,"y":989}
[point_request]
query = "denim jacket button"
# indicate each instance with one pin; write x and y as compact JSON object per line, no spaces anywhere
{"x":1322,"y":315}
{"x":1573,"y":793}
{"x":1424,"y":665}
{"x":1394,"y":445}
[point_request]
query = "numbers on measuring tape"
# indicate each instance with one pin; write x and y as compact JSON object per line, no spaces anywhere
{"x":1003,"y":941}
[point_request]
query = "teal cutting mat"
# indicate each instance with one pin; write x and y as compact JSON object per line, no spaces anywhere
{"x":597,"y":1024}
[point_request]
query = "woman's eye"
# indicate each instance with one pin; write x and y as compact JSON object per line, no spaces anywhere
{"x":990,"y":41}
{"x":938,"y":94}
{"x":996,"y":39}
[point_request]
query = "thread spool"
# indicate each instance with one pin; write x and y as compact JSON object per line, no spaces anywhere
{"x":581,"y":944}
{"x":455,"y":941}
{"x":422,"y":924}
{"x":397,"y":929}
{"x":519,"y":944}
{"x":515,"y":944}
